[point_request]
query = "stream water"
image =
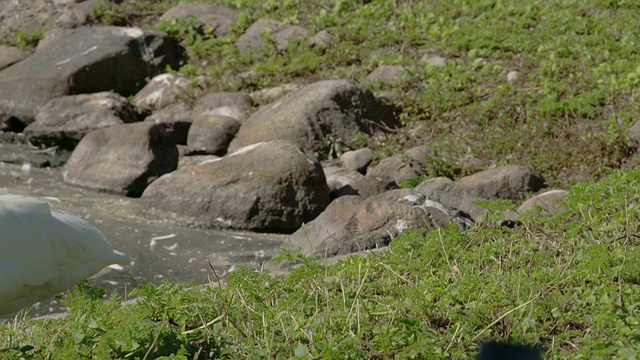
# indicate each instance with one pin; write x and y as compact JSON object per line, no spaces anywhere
{"x":159,"y":249}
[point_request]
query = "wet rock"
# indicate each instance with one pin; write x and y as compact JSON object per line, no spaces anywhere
{"x":22,"y":153}
{"x":122,"y":159}
{"x":267,"y":187}
{"x":85,"y":60}
{"x":64,"y":121}
{"x":336,"y":108}
{"x":504,"y":182}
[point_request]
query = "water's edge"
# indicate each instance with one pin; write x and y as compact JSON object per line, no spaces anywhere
{"x":178,"y":254}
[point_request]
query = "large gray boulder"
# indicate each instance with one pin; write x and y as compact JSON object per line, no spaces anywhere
{"x":351,"y":224}
{"x":85,"y":60}
{"x":122,"y":159}
{"x":266,"y":187}
{"x":10,"y":55}
{"x":339,"y":108}
{"x":64,"y":121}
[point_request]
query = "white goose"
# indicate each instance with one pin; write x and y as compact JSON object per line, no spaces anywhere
{"x":44,"y":251}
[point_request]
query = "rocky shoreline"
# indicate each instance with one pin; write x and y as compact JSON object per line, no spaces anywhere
{"x":291,"y":160}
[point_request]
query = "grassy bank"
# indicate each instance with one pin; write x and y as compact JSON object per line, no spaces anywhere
{"x":569,"y":283}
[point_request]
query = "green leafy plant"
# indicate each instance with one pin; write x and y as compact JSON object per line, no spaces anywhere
{"x":28,"y":40}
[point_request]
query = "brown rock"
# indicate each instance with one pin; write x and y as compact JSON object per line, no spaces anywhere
{"x":122,"y":159}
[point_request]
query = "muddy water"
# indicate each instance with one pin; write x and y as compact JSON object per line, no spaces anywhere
{"x":159,"y":249}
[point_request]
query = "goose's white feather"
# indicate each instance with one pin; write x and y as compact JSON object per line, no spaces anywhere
{"x":44,"y":251}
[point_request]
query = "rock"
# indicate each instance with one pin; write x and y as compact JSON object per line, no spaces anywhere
{"x":350,"y":223}
{"x":25,"y":154}
{"x":266,"y":187}
{"x":388,"y":74}
{"x":34,"y":16}
{"x":339,"y":180}
{"x":272,"y":94}
{"x":336,"y":108}
{"x":85,"y":60}
{"x":432,"y":184}
{"x":236,"y":105}
{"x":219,"y":18}
{"x":176,"y":119}
{"x":211,"y":134}
{"x":446,"y":192}
{"x":344,"y":182}
{"x":281,"y":33}
{"x":550,"y":201}
{"x":420,"y":155}
{"x":82,"y":10}
{"x":504,"y":182}
{"x":289,"y":34}
{"x":10,"y":55}
{"x":634,"y":133}
{"x":161,"y":91}
{"x":512,"y":76}
{"x":52,"y":35}
{"x":371,"y":185}
{"x":122,"y":159}
{"x":357,"y":160}
{"x":396,"y":167}
{"x":434,"y":60}
{"x":322,"y":39}
{"x":186,"y":161}
{"x":64,"y":121}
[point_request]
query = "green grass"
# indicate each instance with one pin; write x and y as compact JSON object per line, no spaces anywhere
{"x":569,"y":283}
